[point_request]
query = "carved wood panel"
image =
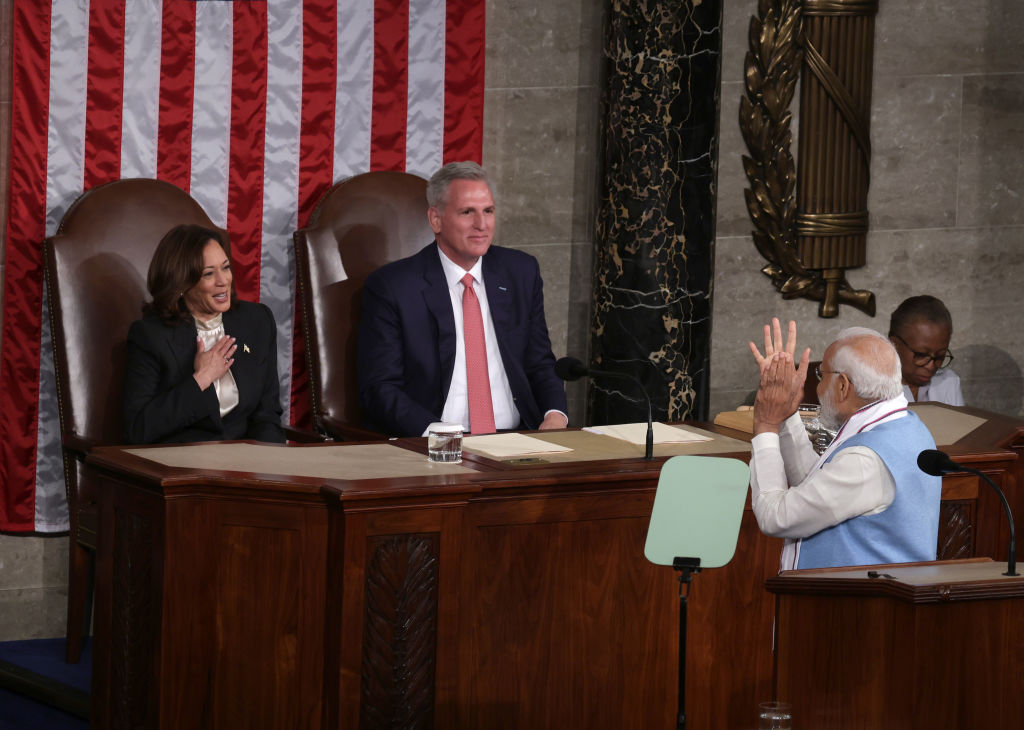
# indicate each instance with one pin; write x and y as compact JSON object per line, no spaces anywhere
{"x":956,"y":530}
{"x":400,"y":633}
{"x":134,"y":622}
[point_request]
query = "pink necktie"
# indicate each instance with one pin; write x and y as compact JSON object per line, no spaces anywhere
{"x":478,"y":383}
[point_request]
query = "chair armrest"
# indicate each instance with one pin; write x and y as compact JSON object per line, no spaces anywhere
{"x":301,"y":436}
{"x":79,"y":445}
{"x":342,"y":431}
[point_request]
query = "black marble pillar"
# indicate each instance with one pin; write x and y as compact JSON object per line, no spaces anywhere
{"x":654,"y":261}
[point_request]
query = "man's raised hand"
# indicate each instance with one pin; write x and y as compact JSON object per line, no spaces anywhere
{"x":773,"y":344}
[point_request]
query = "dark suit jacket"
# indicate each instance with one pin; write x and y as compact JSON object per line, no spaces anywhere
{"x":407,"y":340}
{"x":163,"y":402}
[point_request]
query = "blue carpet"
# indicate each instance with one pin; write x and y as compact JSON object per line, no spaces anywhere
{"x":22,"y":713}
{"x":44,"y":657}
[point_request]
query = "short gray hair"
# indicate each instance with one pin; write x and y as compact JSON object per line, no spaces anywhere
{"x":440,"y":181}
{"x":873,"y":368}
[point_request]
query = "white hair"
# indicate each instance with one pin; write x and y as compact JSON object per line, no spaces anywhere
{"x":870,"y":362}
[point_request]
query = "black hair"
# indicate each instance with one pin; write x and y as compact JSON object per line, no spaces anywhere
{"x":923,"y":306}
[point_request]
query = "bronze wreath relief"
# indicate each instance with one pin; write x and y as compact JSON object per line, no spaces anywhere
{"x":811,"y":221}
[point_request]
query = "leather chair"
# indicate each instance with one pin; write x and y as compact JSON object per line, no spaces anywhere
{"x":811,"y":384}
{"x":359,"y":224}
{"x":95,"y":268}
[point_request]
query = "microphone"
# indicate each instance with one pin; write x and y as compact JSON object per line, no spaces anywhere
{"x":936,"y":463}
{"x":571,"y":369}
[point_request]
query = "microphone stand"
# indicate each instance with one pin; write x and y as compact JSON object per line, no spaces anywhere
{"x":571,"y":369}
{"x":649,"y":449}
{"x":937,"y":463}
{"x":1011,"y":560}
{"x":687,"y":567}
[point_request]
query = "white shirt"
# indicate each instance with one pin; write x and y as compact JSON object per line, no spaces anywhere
{"x":856,"y":482}
{"x":210,"y":332}
{"x":456,"y":404}
{"x":943,"y":388}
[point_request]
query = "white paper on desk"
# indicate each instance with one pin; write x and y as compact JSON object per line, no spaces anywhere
{"x":636,"y":433}
{"x":502,"y":445}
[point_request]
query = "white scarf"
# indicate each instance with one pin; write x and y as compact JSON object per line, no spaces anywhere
{"x":864,"y":420}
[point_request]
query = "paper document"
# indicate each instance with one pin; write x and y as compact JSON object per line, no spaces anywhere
{"x":502,"y":445}
{"x":636,"y":433}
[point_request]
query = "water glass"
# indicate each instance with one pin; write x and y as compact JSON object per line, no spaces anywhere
{"x":444,"y":443}
{"x":775,"y":716}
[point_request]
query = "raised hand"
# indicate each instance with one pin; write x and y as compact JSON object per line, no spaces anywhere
{"x":210,"y":365}
{"x":773,"y":343}
{"x":780,"y":391}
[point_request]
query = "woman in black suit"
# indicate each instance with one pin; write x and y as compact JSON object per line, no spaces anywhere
{"x":202,"y":365}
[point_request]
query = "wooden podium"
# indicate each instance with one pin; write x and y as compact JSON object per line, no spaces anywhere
{"x":923,"y":645}
{"x":344,"y":585}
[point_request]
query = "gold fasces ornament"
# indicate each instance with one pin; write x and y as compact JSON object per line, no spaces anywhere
{"x":810,"y":232}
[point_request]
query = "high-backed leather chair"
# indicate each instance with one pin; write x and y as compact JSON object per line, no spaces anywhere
{"x":811,"y":384}
{"x":360,"y":224}
{"x":95,"y":267}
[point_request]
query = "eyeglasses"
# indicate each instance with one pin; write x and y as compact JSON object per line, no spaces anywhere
{"x":923,"y":358}
{"x":819,"y":372}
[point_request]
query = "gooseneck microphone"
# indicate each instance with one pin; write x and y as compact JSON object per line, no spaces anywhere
{"x":570,"y":369}
{"x":937,"y":463}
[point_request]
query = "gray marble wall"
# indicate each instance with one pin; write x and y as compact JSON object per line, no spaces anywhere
{"x":947,"y":130}
{"x":541,"y":115}
{"x":33,"y":586}
{"x":948,"y":176}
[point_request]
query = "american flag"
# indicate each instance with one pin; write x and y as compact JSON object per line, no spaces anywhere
{"x":255,"y":108}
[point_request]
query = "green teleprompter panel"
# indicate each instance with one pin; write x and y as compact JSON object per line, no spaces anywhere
{"x":697,"y":510}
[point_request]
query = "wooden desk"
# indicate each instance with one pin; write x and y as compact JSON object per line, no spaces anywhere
{"x":921,"y":645}
{"x":996,"y":448}
{"x":488,"y":596}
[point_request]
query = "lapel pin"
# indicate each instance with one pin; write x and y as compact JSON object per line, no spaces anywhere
{"x":245,"y":348}
{"x":501,"y":288}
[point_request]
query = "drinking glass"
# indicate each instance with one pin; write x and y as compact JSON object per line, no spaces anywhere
{"x":775,"y":716}
{"x":444,"y":443}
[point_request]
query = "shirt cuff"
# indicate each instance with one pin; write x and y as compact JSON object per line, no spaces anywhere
{"x":555,"y":410}
{"x":766,"y":440}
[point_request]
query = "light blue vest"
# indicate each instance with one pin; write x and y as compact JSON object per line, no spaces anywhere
{"x":907,"y":531}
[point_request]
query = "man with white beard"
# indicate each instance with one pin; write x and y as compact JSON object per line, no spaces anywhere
{"x":864,"y":501}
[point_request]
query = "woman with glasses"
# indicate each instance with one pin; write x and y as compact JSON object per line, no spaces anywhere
{"x":920,"y":329}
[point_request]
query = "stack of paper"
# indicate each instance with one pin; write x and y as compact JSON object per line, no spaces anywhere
{"x":636,"y":433}
{"x":504,"y":445}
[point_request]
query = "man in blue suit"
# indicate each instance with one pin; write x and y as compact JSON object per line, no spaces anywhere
{"x":416,"y":363}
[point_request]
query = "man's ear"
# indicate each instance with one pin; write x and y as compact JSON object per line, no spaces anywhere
{"x":434,"y":218}
{"x":845,"y":387}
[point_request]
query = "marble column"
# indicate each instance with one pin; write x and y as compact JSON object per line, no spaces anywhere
{"x":654,"y":246}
